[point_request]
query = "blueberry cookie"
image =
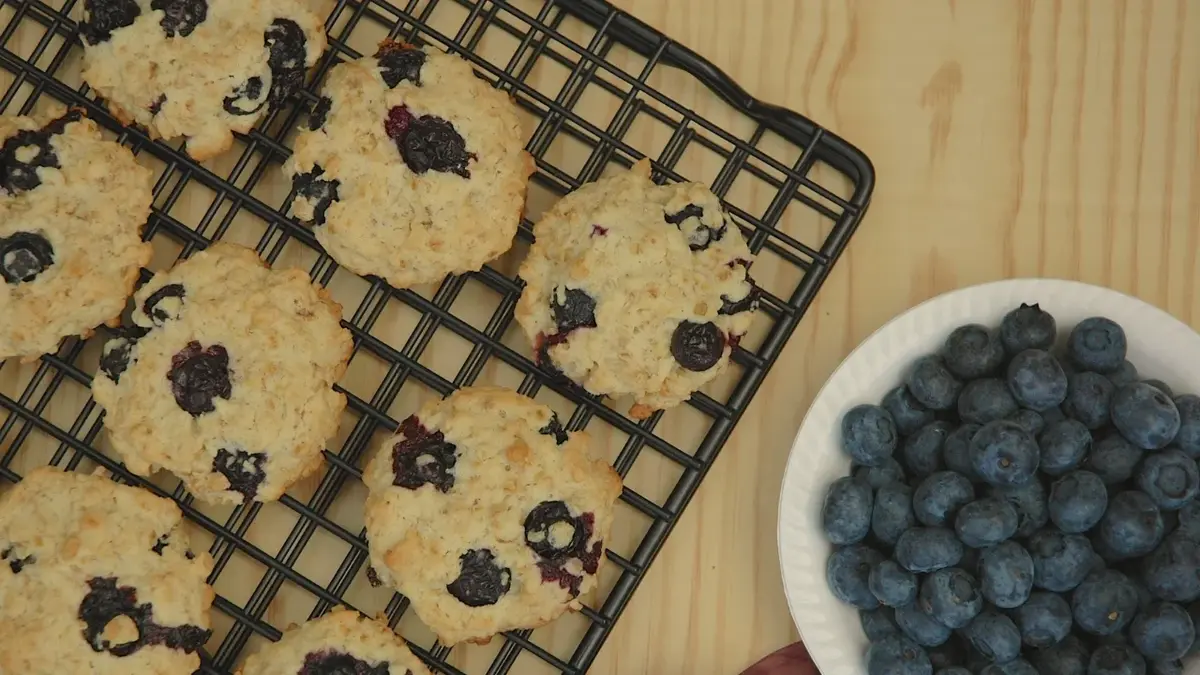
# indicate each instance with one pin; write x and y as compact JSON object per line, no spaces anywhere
{"x":487,"y":515}
{"x":202,"y":69}
{"x":412,"y":168}
{"x":342,"y":641}
{"x":72,"y":207}
{"x":97,"y":577}
{"x":225,"y":376}
{"x":637,"y":289}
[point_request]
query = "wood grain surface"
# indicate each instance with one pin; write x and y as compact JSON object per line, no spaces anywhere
{"x":1054,"y":138}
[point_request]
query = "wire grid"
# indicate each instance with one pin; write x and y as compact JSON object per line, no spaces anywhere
{"x":597,"y":49}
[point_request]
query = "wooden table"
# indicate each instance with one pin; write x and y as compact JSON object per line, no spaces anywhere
{"x":1056,"y":138}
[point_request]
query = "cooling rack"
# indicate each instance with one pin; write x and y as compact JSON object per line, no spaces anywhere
{"x":597,"y":88}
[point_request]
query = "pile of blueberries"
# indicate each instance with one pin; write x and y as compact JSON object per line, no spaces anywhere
{"x":1015,"y":509}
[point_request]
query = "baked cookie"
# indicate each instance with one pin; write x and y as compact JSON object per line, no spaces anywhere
{"x":487,"y":515}
{"x":202,"y":69}
{"x":342,"y":641}
{"x":412,"y":168}
{"x":637,"y":289}
{"x":97,"y":577}
{"x":72,"y":207}
{"x":225,"y":378}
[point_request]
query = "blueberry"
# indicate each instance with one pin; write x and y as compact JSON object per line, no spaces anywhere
{"x":1132,"y":526}
{"x":1145,"y":416}
{"x":892,"y":585}
{"x":1003,"y":454}
{"x":985,"y":400}
{"x":322,"y":193}
{"x":1169,"y":477}
{"x":106,"y":602}
{"x":118,"y":355}
{"x":994,"y":636}
{"x":846,"y":512}
{"x":956,"y":450}
{"x":244,"y":470}
{"x":1036,"y":380}
{"x":198,"y":375}
{"x":985,"y":522}
{"x":398,"y":62}
{"x":1162,"y":632}
{"x":1104,"y":603}
{"x":1017,"y":666}
{"x":102,"y":17}
{"x":285,"y":44}
{"x":1060,"y":561}
{"x":1054,"y":414}
{"x":868,"y":434}
{"x":1116,"y":660}
{"x":320,"y":111}
{"x":1097,"y":344}
{"x":481,"y":580}
{"x":877,"y":476}
{"x":1063,"y":445}
{"x":164,"y":304}
{"x":950,"y":654}
{"x":893,"y":513}
{"x":1089,"y":399}
{"x":878,"y":623}
{"x":973,"y":351}
{"x":1077,"y":501}
{"x":922,"y":452}
{"x":180,"y":17}
{"x":1006,"y":574}
{"x":848,"y":571}
{"x":333,"y":662}
{"x":572,"y":308}
{"x":1189,"y":520}
{"x":920,"y":627}
{"x":1188,"y":438}
{"x":897,"y":655}
{"x":23,"y":153}
{"x":1027,"y":327}
{"x":951,"y":597}
{"x":247,"y":98}
{"x":909,"y":415}
{"x":1167,"y":667}
{"x":928,"y":549}
{"x":932,"y":383}
{"x":423,"y":458}
{"x":554,"y":534}
{"x":939,"y":497}
{"x":1161,"y":386}
{"x":952,"y":670}
{"x":1069,"y":657}
{"x":1113,"y":459}
{"x":1125,"y":374}
{"x":1044,"y":620}
{"x":24,"y":256}
{"x":555,"y":428}
{"x":1030,"y":502}
{"x":432,"y":143}
{"x":1172,"y":571}
{"x":697,"y":346}
{"x":1031,"y":421}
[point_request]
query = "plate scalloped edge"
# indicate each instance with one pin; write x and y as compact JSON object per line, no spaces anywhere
{"x":831,"y":630}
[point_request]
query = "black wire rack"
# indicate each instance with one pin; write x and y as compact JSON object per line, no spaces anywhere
{"x":597,"y":88}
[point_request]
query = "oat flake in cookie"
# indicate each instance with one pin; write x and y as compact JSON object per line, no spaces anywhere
{"x":225,"y":379}
{"x":201,"y":69}
{"x":487,"y":515}
{"x":97,"y":577}
{"x":637,"y":289}
{"x":72,"y":207}
{"x":412,"y":168}
{"x":341,"y":642}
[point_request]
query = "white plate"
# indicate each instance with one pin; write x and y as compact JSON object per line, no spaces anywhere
{"x":1160,"y":346}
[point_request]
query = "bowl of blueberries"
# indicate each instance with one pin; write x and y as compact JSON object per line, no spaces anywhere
{"x":1002,"y":481}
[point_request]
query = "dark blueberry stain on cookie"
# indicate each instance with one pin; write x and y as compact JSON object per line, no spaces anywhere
{"x":333,"y":662}
{"x":118,"y":352}
{"x":107,"y":602}
{"x":428,"y":143}
{"x":703,"y":235}
{"x":322,"y":193}
{"x":161,"y":544}
{"x":747,"y":304}
{"x":180,"y":17}
{"x":15,"y":561}
{"x":20,"y":175}
{"x":554,"y":428}
{"x":553,"y":533}
{"x":165,"y":304}
{"x":157,"y":105}
{"x":247,"y":98}
{"x":423,"y":458}
{"x":689,"y":211}
{"x":542,"y":357}
{"x":24,"y":256}
{"x":373,"y":577}
{"x":598,"y":231}
{"x":102,"y":17}
{"x":398,"y":62}
{"x":244,"y":470}
{"x":553,"y":567}
{"x":198,"y":375}
{"x":577,"y":309}
{"x":481,"y":581}
{"x":285,"y":41}
{"x":316,"y":119}
{"x":697,"y":346}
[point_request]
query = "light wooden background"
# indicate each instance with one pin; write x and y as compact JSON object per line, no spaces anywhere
{"x":1053,"y":138}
